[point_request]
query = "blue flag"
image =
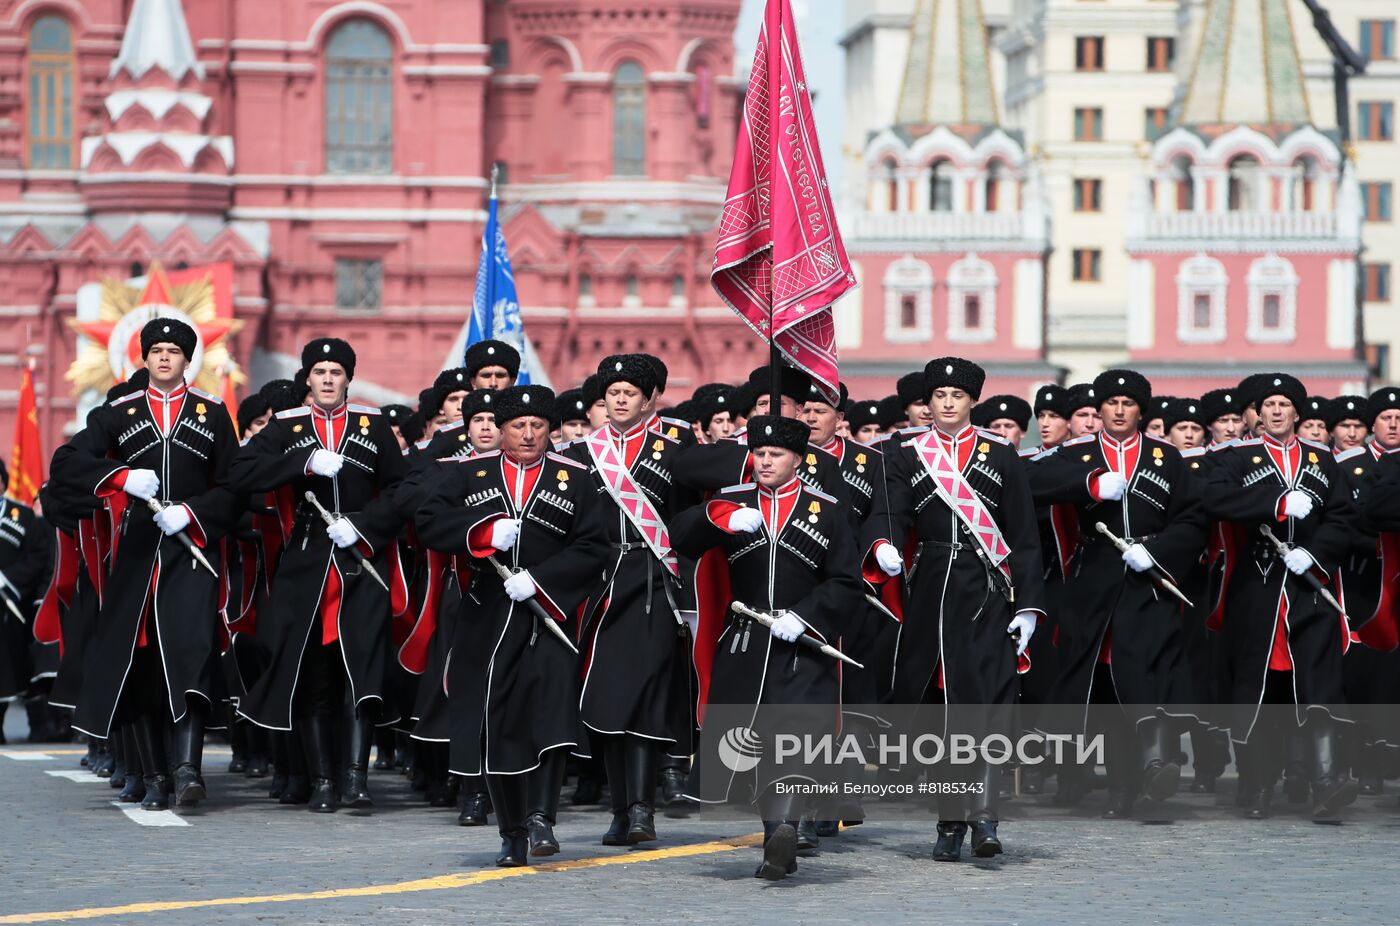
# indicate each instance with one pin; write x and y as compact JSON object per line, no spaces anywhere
{"x":496,"y":307}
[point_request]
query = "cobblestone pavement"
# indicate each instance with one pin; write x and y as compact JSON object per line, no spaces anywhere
{"x":68,"y":853}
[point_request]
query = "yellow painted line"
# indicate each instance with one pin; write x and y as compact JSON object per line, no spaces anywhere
{"x":439,"y":883}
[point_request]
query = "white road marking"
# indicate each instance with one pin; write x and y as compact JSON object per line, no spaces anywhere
{"x":76,"y":776}
{"x":149,"y":817}
{"x":26,"y":756}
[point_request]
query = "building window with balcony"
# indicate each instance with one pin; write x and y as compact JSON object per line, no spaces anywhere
{"x":1088,"y":265}
{"x":889,"y":182}
{"x":908,"y":288}
{"x":1377,"y":282}
{"x":1088,"y":123}
{"x":991,"y":197}
{"x":1161,"y":53}
{"x":1304,"y":180}
{"x":359,"y":100}
{"x":1243,"y":185}
{"x":1376,"y":197}
{"x":1273,"y":300}
{"x":1087,"y":193}
{"x":629,"y":120}
{"x":972,"y":294}
{"x":1185,"y":183}
{"x":1201,"y":286}
{"x":1154,"y":120}
{"x":940,"y":187}
{"x":1088,"y":53}
{"x":359,"y":284}
{"x":50,"y":124}
{"x":1375,"y":121}
{"x":1378,"y":39}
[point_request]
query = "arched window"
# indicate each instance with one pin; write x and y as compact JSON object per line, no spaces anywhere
{"x":891,"y":180}
{"x":1244,"y":184}
{"x":1185,"y":185}
{"x":50,"y":94}
{"x":359,"y":100}
{"x":1304,"y":184}
{"x":993,"y":186}
{"x":940,"y":187}
{"x":629,"y":120}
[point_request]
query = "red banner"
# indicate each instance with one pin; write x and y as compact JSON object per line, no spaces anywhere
{"x":27,"y":459}
{"x":779,"y":260}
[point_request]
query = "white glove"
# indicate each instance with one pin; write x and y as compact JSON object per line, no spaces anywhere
{"x":172,"y":520}
{"x":889,"y":560}
{"x":745,"y":520}
{"x":1022,"y":628}
{"x":520,"y":586}
{"x":1137,"y":558}
{"x":1111,"y":487}
{"x":1298,"y":561}
{"x":1297,"y":504}
{"x":326,"y":463}
{"x":787,"y":627}
{"x":142,"y":483}
{"x":504,"y":533}
{"x":342,"y":533}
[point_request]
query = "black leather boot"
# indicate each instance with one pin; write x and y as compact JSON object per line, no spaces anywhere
{"x":948,"y":846}
{"x":641,"y":789}
{"x":1161,"y":775}
{"x":985,"y":843}
{"x":542,"y":788}
{"x":807,"y":835}
{"x":1332,"y":787}
{"x":615,"y":764}
{"x":189,"y":754}
{"x":780,"y":815}
{"x":150,"y":746}
{"x":257,"y":751}
{"x":471,"y":804}
{"x":1296,"y":766}
{"x":384,"y":749}
{"x":317,"y":741}
{"x":134,"y":788}
{"x":508,"y":798}
{"x":238,"y":743}
{"x":361,"y":738}
{"x":117,"y":745}
{"x":296,"y":787}
{"x":673,"y":775}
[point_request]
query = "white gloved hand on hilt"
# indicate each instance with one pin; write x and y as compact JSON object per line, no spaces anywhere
{"x":1298,"y":561}
{"x":520,"y":587}
{"x":889,"y":559}
{"x":504,"y":533}
{"x":745,"y":521}
{"x":326,"y":463}
{"x":1297,"y":504}
{"x":342,"y":533}
{"x":1137,"y":558}
{"x":1022,"y":628}
{"x":787,"y":627}
{"x":172,"y":520}
{"x":1111,"y":487}
{"x":142,"y":483}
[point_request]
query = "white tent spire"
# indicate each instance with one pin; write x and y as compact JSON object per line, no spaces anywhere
{"x":157,"y":37}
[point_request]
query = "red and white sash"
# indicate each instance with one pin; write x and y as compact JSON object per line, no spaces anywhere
{"x":952,"y":488}
{"x":628,"y":496}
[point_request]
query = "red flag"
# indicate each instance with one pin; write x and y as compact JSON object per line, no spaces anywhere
{"x":779,"y":260}
{"x":230,"y":398}
{"x":27,"y":461}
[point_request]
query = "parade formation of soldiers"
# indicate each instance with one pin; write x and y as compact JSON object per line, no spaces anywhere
{"x":506,"y":587}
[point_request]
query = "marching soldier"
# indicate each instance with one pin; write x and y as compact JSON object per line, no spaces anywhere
{"x":165,"y":450}
{"x":25,"y":556}
{"x":513,"y":678}
{"x":333,"y":466}
{"x":975,"y":589}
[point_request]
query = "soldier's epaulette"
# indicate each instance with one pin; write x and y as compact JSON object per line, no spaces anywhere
{"x":122,"y":400}
{"x":297,"y":412}
{"x":741,"y":487}
{"x":488,"y":455}
{"x":674,"y":421}
{"x":1348,"y":454}
{"x":1160,"y":440}
{"x":819,"y":494}
{"x":1224,"y":445}
{"x":363,"y":410}
{"x":1193,"y":453}
{"x":205,"y":395}
{"x":1025,"y":452}
{"x":666,"y":437}
{"x":913,"y":429}
{"x":1248,"y":442}
{"x":560,"y":448}
{"x":858,"y":446}
{"x":469,"y":458}
{"x":1043,"y":452}
{"x":992,"y":435}
{"x":451,"y":427}
{"x":1083,"y":439}
{"x":1314,"y":444}
{"x":557,"y":458}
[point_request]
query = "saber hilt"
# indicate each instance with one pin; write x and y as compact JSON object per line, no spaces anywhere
{"x":1312,"y":580}
{"x":536,"y":608}
{"x":1158,"y":574}
{"x":811,"y":643}
{"x":196,"y":555}
{"x":352,"y":550}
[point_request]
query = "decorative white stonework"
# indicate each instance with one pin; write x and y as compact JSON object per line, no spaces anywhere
{"x":156,"y":37}
{"x":1028,"y":323}
{"x":972,"y":282}
{"x":908,"y":277}
{"x":1142,"y":305}
{"x":1341,"y":305}
{"x":1273,"y":288}
{"x":847,"y":314}
{"x":1201,"y":277}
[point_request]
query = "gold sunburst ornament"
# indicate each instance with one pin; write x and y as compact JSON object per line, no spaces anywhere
{"x":109,"y":349}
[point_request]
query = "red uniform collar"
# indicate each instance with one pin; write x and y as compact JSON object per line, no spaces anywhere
{"x":335,"y":413}
{"x":637,"y":430}
{"x":155,"y":395}
{"x":786,"y":490}
{"x":1131,"y":442}
{"x":968,"y":432}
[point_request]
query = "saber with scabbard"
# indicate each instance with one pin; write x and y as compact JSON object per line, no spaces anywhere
{"x":879,"y":605}
{"x":352,"y":550}
{"x":810,"y":642}
{"x":536,"y":608}
{"x":1313,"y":581}
{"x":197,"y":557}
{"x":1159,"y":575}
{"x":7,"y":585}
